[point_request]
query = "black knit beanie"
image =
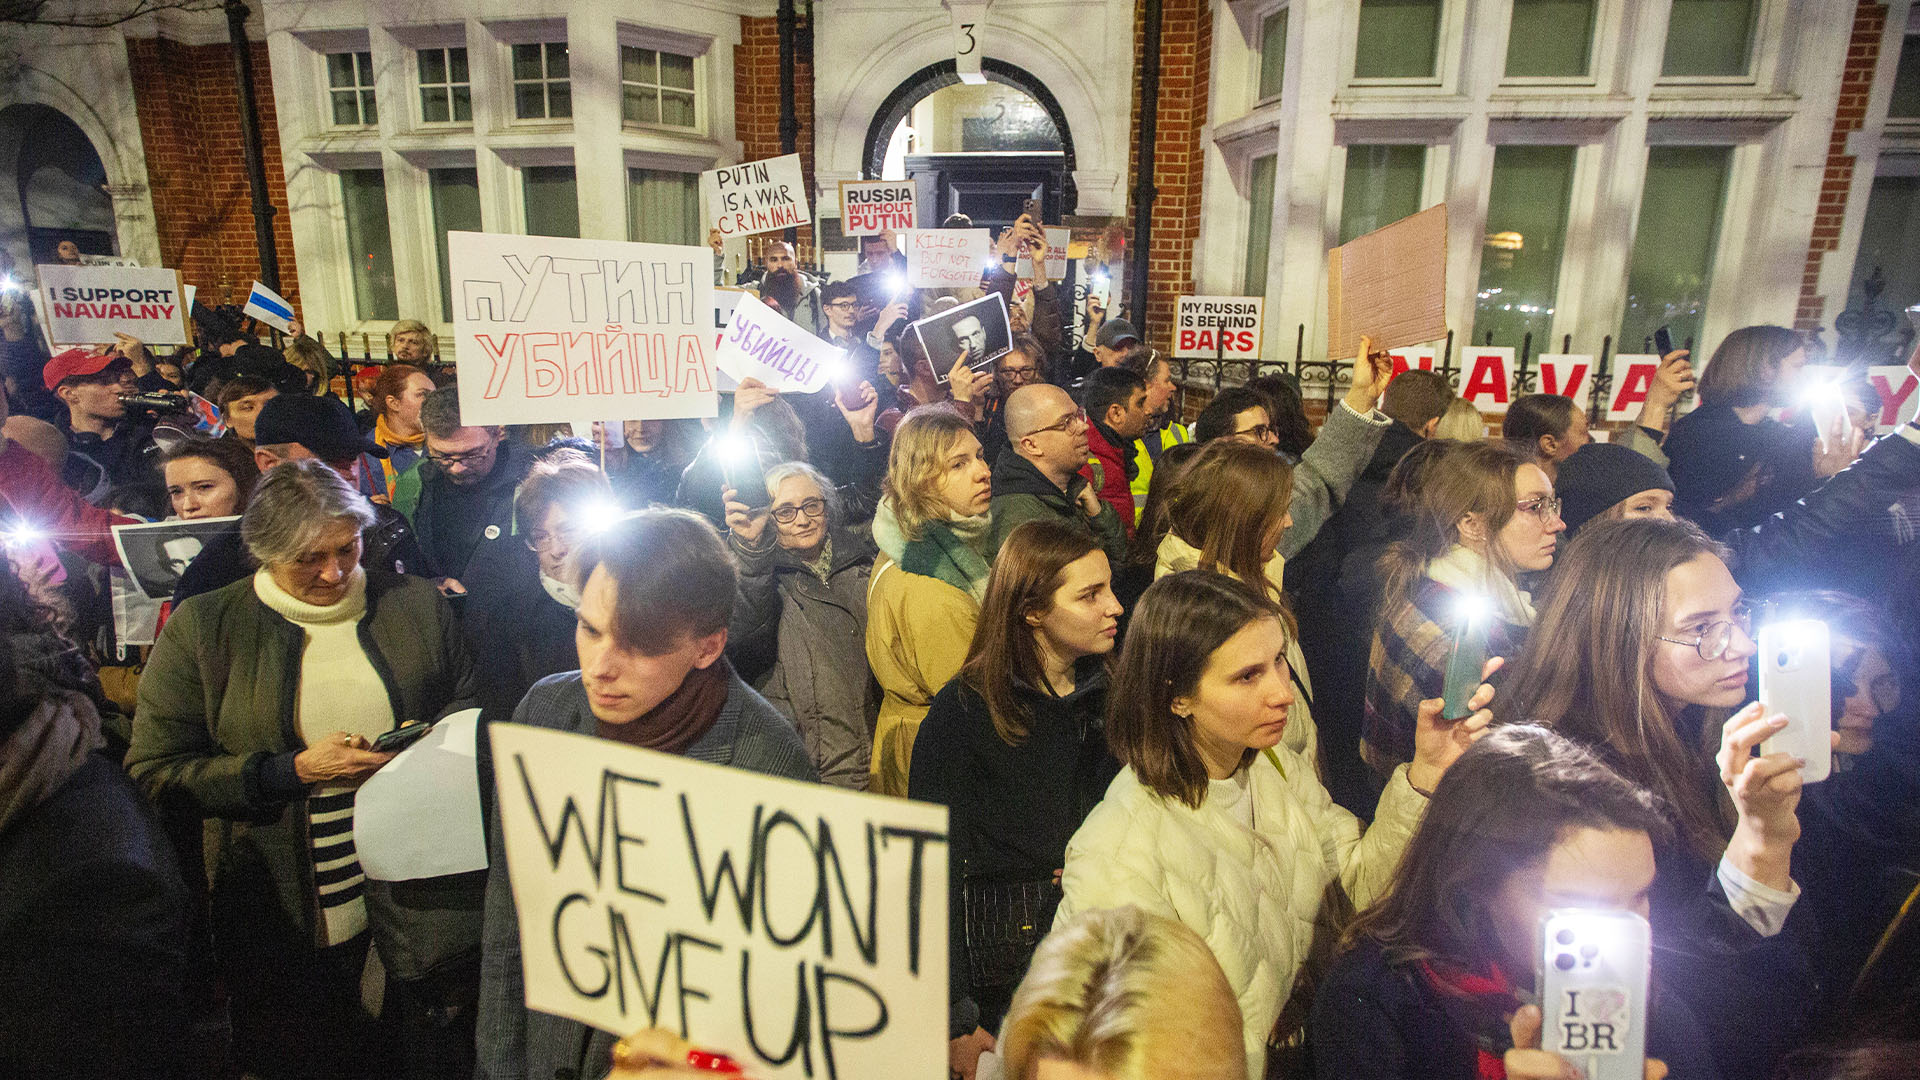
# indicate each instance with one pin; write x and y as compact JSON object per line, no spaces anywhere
{"x":1600,"y":474}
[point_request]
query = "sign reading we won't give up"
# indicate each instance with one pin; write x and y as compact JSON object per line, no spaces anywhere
{"x":801,"y":929}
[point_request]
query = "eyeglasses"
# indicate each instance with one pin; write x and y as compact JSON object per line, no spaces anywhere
{"x":844,"y":305}
{"x":1065,"y":424}
{"x":1544,"y":509}
{"x":815,"y":509}
{"x":1019,"y":374}
{"x":542,"y":541}
{"x":448,"y":461}
{"x":1717,"y":638}
{"x":1258,"y":432}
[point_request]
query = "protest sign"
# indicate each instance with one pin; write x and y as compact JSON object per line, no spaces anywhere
{"x":1568,"y":375}
{"x":1226,"y":326}
{"x":980,"y":327}
{"x":1632,"y":377}
{"x":947,"y":258}
{"x":759,"y":343}
{"x":87,"y":305}
{"x":1408,"y":359}
{"x":758,"y":197}
{"x":419,"y":816}
{"x":871,"y":207}
{"x":1389,"y":285}
{"x":1895,"y":386}
{"x":157,"y":553}
{"x":1058,"y":243}
{"x":550,"y":329}
{"x":267,"y":306}
{"x":1487,"y":377}
{"x":799,"y":928}
{"x":725,"y":298}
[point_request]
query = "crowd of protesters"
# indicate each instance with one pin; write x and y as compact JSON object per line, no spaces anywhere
{"x":1179,"y":686}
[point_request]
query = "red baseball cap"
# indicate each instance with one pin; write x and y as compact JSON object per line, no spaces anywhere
{"x":74,"y":363}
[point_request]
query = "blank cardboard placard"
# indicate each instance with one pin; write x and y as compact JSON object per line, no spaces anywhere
{"x":1390,"y":285}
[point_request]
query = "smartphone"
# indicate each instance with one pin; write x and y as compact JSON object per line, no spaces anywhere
{"x":400,"y":738}
{"x":1031,"y":208}
{"x":1467,"y":659}
{"x":741,"y":468}
{"x":1796,"y":678}
{"x":1593,"y":972}
{"x":1662,"y":341}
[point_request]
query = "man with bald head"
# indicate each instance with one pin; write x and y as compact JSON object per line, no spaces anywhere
{"x":1041,"y":477}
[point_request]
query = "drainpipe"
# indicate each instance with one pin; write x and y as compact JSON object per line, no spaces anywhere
{"x":250,"y":143}
{"x":1143,"y":189}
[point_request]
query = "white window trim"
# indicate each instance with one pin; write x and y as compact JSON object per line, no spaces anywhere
{"x":336,"y":183}
{"x":1256,"y":48}
{"x":700,"y":110}
{"x":1763,"y":53}
{"x":327,"y":90}
{"x":507,"y":34}
{"x":510,"y":86}
{"x":1450,"y":37}
{"x":1603,"y":55}
{"x":419,"y":86}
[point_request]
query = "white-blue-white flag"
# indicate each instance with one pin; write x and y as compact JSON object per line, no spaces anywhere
{"x":268,"y":306}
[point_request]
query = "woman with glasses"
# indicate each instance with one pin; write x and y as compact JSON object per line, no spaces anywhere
{"x":799,"y":632}
{"x":1483,"y":516}
{"x":520,"y":619}
{"x":1640,"y":653}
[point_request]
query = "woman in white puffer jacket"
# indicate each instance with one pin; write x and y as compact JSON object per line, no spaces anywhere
{"x":1216,"y":824}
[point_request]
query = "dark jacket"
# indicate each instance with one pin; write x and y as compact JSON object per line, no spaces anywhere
{"x":1377,"y":1021}
{"x":1021,"y":493}
{"x":1710,"y":452}
{"x":96,"y":466}
{"x":516,"y":633}
{"x":388,"y":545}
{"x":1013,"y":808}
{"x":802,"y":642}
{"x":455,"y":522}
{"x":517,"y":1043}
{"x":215,"y":733}
{"x":93,"y":915}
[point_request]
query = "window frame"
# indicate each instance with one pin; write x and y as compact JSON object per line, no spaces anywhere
{"x":1259,"y":52}
{"x":1603,"y":50}
{"x":421,"y":86}
{"x":1763,"y":53}
{"x":698,"y":63}
{"x":1449,"y":42}
{"x":360,"y":91}
{"x":511,"y":83}
{"x":343,"y":231}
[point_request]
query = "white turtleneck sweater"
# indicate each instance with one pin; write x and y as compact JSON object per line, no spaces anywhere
{"x":340,"y":690}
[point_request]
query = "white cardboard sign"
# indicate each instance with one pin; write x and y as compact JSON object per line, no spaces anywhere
{"x":799,"y":928}
{"x":759,"y":343}
{"x":757,"y":197}
{"x":1632,"y":377}
{"x":87,"y":305}
{"x":1569,"y":375}
{"x":947,"y":258}
{"x":871,"y":207}
{"x":1057,"y":242}
{"x":1486,"y":377}
{"x":550,"y":329}
{"x":1227,"y":326}
{"x":1409,"y":359}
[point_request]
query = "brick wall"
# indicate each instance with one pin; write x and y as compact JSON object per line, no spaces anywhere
{"x":1863,"y":55}
{"x":1186,"y":60}
{"x":190,"y":123}
{"x":756,"y":104}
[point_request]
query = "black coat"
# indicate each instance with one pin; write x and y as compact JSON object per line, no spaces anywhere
{"x":93,"y":917}
{"x":455,"y":523}
{"x":1710,"y":451}
{"x":516,"y":633}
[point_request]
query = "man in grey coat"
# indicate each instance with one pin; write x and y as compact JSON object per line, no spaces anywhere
{"x":656,"y":592}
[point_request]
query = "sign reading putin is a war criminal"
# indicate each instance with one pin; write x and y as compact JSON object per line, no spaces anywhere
{"x":87,"y":305}
{"x":550,"y":329}
{"x":1225,"y":326}
{"x":758,"y":197}
{"x":798,"y":928}
{"x":871,"y":207}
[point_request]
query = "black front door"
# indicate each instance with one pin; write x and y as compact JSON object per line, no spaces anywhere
{"x":989,"y":188}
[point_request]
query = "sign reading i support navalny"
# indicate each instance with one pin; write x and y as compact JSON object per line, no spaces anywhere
{"x":550,"y":329}
{"x":87,"y":305}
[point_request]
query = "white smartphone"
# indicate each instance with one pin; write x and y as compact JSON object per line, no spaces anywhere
{"x":1594,"y":968}
{"x":1796,"y":678}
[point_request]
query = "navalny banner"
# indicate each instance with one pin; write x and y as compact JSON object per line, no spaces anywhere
{"x":87,"y":305}
{"x":551,"y":329}
{"x":758,"y":197}
{"x":799,"y":928}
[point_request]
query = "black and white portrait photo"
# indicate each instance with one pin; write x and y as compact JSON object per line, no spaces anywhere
{"x":156,"y":555}
{"x":980,"y":327}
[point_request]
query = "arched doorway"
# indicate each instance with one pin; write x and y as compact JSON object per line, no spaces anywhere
{"x":52,"y":185}
{"x":977,"y":149}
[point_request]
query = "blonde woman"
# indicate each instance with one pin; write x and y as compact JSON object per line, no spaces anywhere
{"x":924,"y":596}
{"x":1461,"y":421}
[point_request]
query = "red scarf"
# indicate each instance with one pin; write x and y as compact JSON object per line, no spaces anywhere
{"x":683,"y":719}
{"x":1488,"y":995}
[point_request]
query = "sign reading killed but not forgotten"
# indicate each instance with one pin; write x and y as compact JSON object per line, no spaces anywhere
{"x":758,"y":197}
{"x":550,"y":329}
{"x":800,"y":928}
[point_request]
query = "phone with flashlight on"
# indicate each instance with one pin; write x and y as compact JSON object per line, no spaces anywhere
{"x":1473,"y":628}
{"x":740,"y":467}
{"x":1796,"y":680}
{"x":1593,"y":968}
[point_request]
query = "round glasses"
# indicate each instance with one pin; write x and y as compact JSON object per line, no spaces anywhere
{"x":813,"y":508}
{"x":1715,"y":641}
{"x":1544,"y":509}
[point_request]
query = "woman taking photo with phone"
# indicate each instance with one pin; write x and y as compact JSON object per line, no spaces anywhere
{"x":932,"y":529}
{"x":1640,"y":654}
{"x":1212,"y":822}
{"x":1481,"y":517}
{"x":1015,"y":748}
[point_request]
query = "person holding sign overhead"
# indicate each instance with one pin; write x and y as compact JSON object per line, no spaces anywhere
{"x":656,"y":593}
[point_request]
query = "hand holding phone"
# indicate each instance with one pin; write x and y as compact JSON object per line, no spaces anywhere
{"x":1796,"y":680}
{"x":400,"y":738}
{"x":1593,"y":969}
{"x":1472,"y":631}
{"x":1663,"y":341}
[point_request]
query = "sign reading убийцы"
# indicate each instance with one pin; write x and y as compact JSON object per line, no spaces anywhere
{"x":550,"y":329}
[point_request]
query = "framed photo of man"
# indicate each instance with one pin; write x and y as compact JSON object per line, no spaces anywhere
{"x":978,"y":328}
{"x":157,"y":554}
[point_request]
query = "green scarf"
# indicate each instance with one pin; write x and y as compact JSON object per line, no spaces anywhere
{"x":952,"y":551}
